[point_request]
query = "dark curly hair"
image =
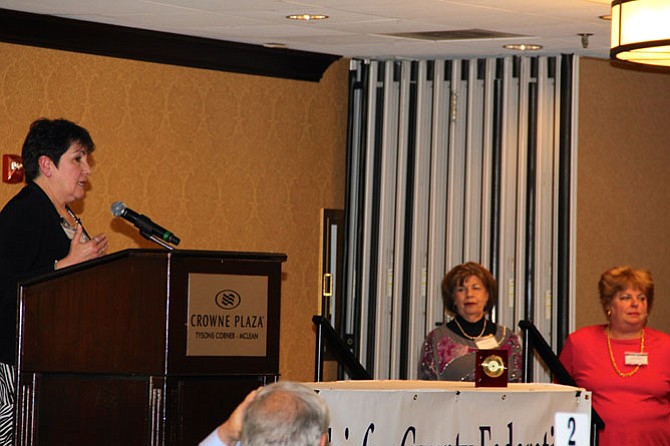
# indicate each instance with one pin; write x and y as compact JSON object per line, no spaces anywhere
{"x":51,"y":138}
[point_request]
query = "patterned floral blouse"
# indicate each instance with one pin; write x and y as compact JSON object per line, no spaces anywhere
{"x":447,"y":356}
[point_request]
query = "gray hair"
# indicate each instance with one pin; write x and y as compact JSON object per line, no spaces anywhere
{"x":285,"y":413}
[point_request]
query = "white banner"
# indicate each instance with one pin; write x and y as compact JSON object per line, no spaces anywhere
{"x":413,"y":413}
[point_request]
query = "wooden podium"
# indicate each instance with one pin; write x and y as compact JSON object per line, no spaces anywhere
{"x":144,"y":347}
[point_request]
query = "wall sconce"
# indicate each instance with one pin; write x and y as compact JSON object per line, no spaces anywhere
{"x":641,"y":31}
{"x":12,"y":169}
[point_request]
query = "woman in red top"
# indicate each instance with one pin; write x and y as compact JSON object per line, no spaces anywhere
{"x":624,"y":363}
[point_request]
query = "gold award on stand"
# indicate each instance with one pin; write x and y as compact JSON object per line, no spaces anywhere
{"x":491,"y":368}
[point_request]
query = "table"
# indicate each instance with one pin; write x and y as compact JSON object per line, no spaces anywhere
{"x":443,"y":413}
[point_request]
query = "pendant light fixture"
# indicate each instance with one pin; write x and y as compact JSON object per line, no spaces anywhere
{"x":641,"y":31}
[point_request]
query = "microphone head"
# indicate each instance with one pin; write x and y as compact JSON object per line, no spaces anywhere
{"x":118,"y":208}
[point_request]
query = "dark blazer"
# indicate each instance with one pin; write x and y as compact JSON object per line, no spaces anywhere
{"x":31,"y":239}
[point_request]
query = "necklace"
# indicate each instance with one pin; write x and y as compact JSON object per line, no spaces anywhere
{"x":609,"y":347}
{"x":472,"y":338}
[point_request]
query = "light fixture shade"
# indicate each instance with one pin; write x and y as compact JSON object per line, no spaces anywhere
{"x":641,"y":31}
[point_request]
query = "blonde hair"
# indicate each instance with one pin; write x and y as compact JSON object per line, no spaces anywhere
{"x":621,"y":277}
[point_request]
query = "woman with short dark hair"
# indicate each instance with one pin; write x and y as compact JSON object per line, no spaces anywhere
{"x":39,"y":232}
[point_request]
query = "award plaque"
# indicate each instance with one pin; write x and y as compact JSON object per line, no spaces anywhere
{"x":491,"y":368}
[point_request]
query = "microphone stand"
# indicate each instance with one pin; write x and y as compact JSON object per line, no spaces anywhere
{"x":156,"y":240}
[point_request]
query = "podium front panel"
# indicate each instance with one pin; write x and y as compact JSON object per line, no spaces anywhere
{"x":103,"y":355}
{"x":105,"y":316}
{"x":79,"y":410}
{"x":201,"y":403}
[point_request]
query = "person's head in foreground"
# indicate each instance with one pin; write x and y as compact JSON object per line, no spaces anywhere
{"x":285,"y":413}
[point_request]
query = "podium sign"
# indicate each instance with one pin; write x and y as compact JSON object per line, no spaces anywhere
{"x":227,"y":315}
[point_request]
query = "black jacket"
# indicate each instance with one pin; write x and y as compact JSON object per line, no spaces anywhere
{"x":31,"y":239}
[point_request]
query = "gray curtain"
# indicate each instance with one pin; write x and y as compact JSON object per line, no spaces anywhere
{"x":452,"y":161}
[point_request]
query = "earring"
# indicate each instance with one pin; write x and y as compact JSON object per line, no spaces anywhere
{"x":608,"y":313}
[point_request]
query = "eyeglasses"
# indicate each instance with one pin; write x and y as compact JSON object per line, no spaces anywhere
{"x":78,"y":220}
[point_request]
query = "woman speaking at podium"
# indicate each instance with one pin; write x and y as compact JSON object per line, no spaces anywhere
{"x":469,"y":291}
{"x":39,"y":232}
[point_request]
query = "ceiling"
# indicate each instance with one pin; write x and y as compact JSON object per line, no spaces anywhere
{"x":360,"y":28}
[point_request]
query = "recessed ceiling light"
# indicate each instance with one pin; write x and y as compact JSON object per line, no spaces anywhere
{"x":306,"y":17}
{"x":523,"y":46}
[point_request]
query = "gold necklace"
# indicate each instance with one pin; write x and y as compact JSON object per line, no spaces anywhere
{"x":472,"y":338}
{"x":609,"y":347}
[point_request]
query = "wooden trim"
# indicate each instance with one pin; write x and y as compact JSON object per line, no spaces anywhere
{"x":152,"y":46}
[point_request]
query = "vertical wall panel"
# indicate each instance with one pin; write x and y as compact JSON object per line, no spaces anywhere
{"x":354,"y":196}
{"x":402,"y":201}
{"x":435,"y":196}
{"x":472,"y":223}
{"x":487,"y":125}
{"x":571,"y":231}
{"x":506,"y":277}
{"x":438,"y":185}
{"x":386,"y":224}
{"x":363,"y":294}
{"x":455,"y":191}
{"x":417,"y":305}
{"x":545,"y":229}
{"x":521,"y":218}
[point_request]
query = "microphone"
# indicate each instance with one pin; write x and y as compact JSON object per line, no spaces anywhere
{"x":147,"y":227}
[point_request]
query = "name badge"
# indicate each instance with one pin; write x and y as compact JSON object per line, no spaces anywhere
{"x":637,"y":358}
{"x":487,"y":343}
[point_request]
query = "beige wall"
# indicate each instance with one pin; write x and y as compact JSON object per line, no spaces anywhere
{"x":238,"y":162}
{"x":226,"y":161}
{"x":623,"y":205}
